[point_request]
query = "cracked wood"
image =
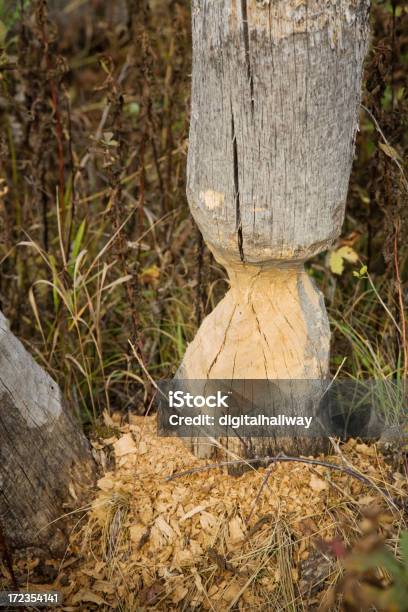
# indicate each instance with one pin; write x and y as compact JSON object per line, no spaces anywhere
{"x":281,"y":81}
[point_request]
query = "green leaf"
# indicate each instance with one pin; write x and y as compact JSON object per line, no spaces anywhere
{"x":76,"y":246}
{"x":55,"y":281}
{"x":361,"y":273}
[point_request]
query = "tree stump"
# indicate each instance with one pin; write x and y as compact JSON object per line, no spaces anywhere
{"x":44,"y":457}
{"x":275,"y":103}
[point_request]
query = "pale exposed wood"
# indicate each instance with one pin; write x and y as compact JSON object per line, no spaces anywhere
{"x":44,"y":457}
{"x":272,"y":325}
{"x":275,"y":99}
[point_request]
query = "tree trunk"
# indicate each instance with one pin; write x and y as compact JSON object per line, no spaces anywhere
{"x":275,"y":98}
{"x":44,"y":457}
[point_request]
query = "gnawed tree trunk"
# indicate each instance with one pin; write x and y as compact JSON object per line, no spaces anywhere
{"x":44,"y":457}
{"x":275,"y":98}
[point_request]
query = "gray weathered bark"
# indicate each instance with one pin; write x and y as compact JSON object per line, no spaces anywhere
{"x":45,"y":460}
{"x":275,"y":98}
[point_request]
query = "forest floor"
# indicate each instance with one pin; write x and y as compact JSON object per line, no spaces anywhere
{"x":275,"y":538}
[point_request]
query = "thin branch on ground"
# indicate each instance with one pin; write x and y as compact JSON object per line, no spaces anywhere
{"x":281,"y":458}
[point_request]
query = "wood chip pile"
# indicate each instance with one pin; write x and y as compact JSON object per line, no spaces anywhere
{"x":210,"y":541}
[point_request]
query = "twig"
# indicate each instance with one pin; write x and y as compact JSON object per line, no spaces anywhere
{"x":265,"y":461}
{"x":136,"y":353}
{"x":379,"y":489}
{"x":59,"y":134}
{"x":261,"y":488}
{"x":73,"y":174}
{"x":401,"y":303}
{"x":381,"y":133}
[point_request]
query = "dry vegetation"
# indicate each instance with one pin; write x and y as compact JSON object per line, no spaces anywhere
{"x":98,"y":247}
{"x":206,"y":541}
{"x":105,"y":277}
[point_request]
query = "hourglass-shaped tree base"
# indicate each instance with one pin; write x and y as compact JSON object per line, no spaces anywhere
{"x":271,"y":325}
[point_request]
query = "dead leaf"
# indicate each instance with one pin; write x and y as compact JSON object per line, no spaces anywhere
{"x":109,"y":441}
{"x":142,"y":448}
{"x":236,"y":533}
{"x":389,"y":151}
{"x":151,"y":594}
{"x":366,"y":500}
{"x":339,"y":256}
{"x":207,"y":520}
{"x":232,"y":591}
{"x":89,"y":596}
{"x":107,"y":419}
{"x":72,"y":491}
{"x":364,"y":449}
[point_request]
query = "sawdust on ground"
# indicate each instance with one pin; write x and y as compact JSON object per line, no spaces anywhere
{"x":210,"y":541}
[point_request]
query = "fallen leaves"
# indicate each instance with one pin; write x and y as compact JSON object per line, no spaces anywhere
{"x":165,"y":528}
